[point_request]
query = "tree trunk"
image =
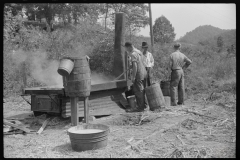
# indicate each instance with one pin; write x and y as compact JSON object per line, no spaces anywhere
{"x":48,"y":15}
{"x":75,"y":18}
{"x":130,"y":32}
{"x":106,"y":18}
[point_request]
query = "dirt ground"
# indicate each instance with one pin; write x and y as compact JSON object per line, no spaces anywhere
{"x":196,"y":130}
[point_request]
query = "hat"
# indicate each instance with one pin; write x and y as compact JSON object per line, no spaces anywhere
{"x":177,"y":45}
{"x":144,"y":45}
{"x":128,"y":44}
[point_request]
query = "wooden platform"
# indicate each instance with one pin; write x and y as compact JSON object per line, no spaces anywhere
{"x":104,"y":99}
{"x":60,"y":90}
{"x":105,"y":102}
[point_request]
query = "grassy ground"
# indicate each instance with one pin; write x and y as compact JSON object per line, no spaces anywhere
{"x":172,"y":133}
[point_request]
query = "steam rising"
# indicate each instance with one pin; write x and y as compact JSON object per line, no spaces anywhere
{"x":45,"y":71}
{"x":41,"y":69}
{"x":97,"y":78}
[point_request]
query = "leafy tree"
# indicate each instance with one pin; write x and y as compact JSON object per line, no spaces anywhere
{"x":163,"y":31}
{"x":135,"y":15}
{"x":220,"y":42}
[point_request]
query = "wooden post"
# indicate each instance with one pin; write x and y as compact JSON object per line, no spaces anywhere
{"x":24,"y":74}
{"x":151,"y":30}
{"x":119,"y":50}
{"x":86,"y":110}
{"x":74,"y":111}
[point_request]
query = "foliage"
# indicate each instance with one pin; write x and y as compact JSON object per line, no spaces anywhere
{"x":135,"y":15}
{"x":88,"y":37}
{"x":81,"y":39}
{"x":163,"y":31}
{"x":161,"y":61}
{"x":220,"y":42}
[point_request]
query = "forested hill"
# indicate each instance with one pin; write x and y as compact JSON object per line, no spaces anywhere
{"x":201,"y":33}
{"x":228,"y":37}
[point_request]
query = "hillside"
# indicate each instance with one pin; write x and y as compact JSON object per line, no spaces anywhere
{"x":201,"y":33}
{"x":229,"y":38}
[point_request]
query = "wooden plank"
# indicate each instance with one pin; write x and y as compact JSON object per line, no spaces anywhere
{"x":109,"y":110}
{"x":101,"y":106}
{"x":109,"y":85}
{"x":44,"y":103}
{"x":95,"y":87}
{"x":43,"y":92}
{"x":16,"y":126}
{"x":43,"y":126}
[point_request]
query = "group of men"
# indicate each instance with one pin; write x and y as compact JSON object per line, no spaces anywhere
{"x":142,"y":63}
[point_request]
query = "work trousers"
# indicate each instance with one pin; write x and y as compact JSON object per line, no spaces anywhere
{"x":149,"y":76}
{"x":177,"y":84}
{"x":139,"y":92}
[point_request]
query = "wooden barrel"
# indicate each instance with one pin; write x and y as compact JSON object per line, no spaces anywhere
{"x":155,"y":97}
{"x":79,"y":81}
{"x":165,"y":87}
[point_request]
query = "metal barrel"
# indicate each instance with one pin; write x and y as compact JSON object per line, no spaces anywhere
{"x":89,"y":141}
{"x":165,"y":87}
{"x":65,"y":66}
{"x":155,"y":97}
{"x":167,"y":101}
{"x":132,"y":101}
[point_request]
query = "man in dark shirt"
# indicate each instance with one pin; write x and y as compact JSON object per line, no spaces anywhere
{"x":138,"y":77}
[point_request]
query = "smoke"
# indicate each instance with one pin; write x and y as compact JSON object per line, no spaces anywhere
{"x":98,"y":78}
{"x":19,"y":56}
{"x":41,"y":69}
{"x":45,"y":71}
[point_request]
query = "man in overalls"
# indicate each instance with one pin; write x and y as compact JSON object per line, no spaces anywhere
{"x":177,"y":63}
{"x":138,"y":77}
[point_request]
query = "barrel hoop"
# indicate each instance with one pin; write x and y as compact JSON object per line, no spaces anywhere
{"x":86,"y":140}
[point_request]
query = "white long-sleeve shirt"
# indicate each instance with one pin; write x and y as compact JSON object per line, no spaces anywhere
{"x":148,"y":60}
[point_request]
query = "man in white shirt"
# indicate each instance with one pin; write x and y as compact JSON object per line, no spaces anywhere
{"x":148,"y":62}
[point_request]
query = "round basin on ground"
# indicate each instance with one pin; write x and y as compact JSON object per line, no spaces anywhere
{"x":88,"y":136}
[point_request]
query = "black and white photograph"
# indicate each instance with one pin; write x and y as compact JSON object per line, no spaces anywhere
{"x":119,"y":80}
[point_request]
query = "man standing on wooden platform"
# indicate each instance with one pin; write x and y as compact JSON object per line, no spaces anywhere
{"x":148,"y":62}
{"x":138,"y":77}
{"x":177,"y":63}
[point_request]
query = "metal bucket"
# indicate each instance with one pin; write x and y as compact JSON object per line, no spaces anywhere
{"x":132,"y":101}
{"x":65,"y":67}
{"x":167,"y":101}
{"x":88,"y":141}
{"x":165,"y":87}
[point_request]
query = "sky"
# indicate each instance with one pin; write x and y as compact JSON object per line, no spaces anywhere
{"x":185,"y":17}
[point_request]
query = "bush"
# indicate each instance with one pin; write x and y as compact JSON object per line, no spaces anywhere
{"x":82,"y":39}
